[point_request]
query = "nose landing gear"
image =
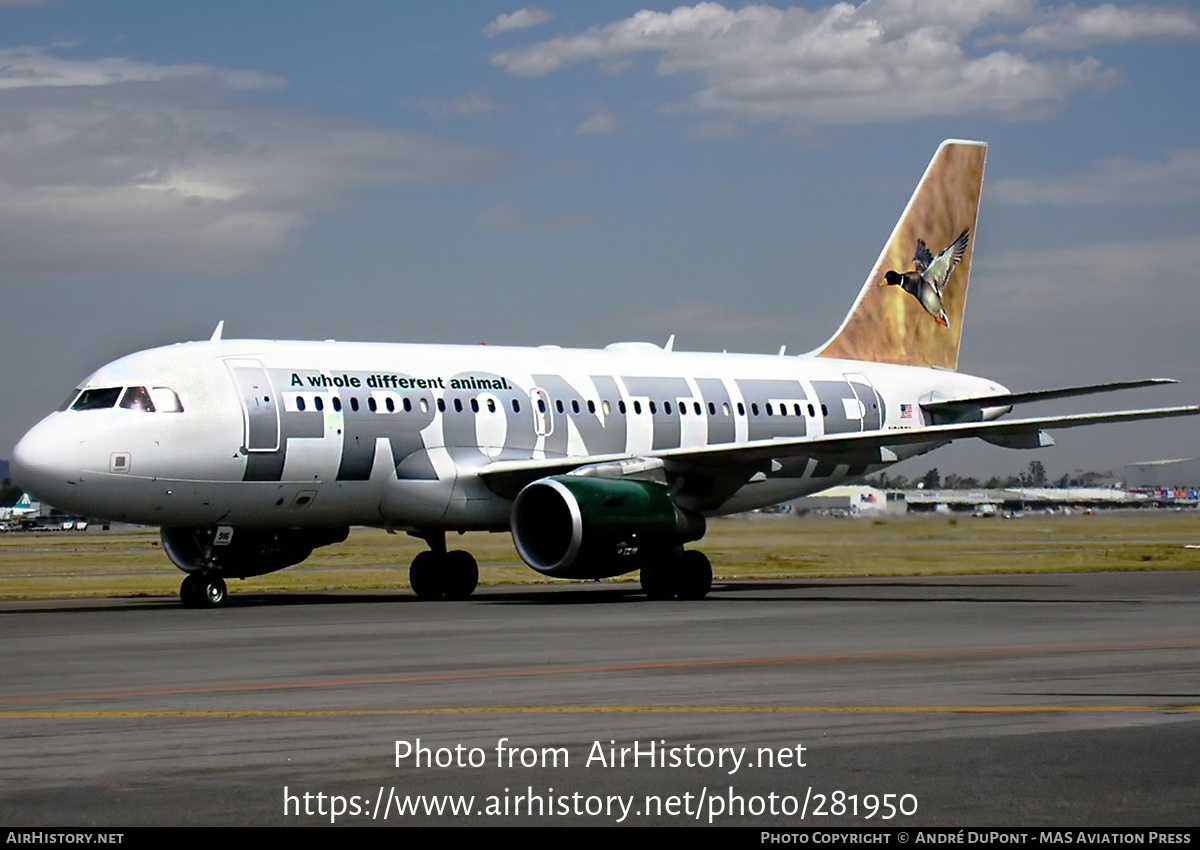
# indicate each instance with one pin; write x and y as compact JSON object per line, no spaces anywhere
{"x":202,"y":590}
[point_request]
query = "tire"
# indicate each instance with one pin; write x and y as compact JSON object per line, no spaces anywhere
{"x":213,"y":591}
{"x":190,"y":592}
{"x":424,"y":576}
{"x":656,"y":580}
{"x":460,"y":574}
{"x":693,"y":574}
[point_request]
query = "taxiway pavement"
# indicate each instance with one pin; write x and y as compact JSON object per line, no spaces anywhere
{"x":989,"y":701}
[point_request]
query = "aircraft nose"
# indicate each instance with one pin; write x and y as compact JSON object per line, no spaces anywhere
{"x":44,"y":463}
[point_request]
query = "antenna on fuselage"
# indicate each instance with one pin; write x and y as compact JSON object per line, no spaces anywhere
{"x":216,"y":337}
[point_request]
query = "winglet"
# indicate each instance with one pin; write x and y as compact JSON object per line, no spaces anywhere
{"x":903,"y":323}
{"x":216,"y":337}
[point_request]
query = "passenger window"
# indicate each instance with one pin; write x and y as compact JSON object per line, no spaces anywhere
{"x":441,"y":405}
{"x":407,"y":405}
{"x":591,"y":406}
{"x":354,"y":404}
{"x":458,"y":405}
{"x":491,"y":405}
{"x":390,"y":403}
{"x":574,"y":405}
{"x":653,"y":409}
{"x":474,"y":405}
{"x":337,"y":404}
{"x":372,"y":405}
{"x":621,"y":406}
{"x":666,"y":407}
{"x":811,"y":411}
{"x":100,"y":399}
{"x":300,"y":402}
{"x":741,"y":409}
{"x":318,"y":403}
{"x":516,"y":405}
{"x":607,"y":407}
{"x":558,"y":405}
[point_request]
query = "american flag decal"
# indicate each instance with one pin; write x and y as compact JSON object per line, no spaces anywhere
{"x":906,"y":411}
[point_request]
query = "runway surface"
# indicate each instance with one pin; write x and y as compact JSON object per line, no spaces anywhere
{"x":975,"y":701}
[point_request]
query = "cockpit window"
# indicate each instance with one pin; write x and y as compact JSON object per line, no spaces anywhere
{"x":136,"y":398}
{"x":97,"y":399}
{"x":165,"y":400}
{"x":66,"y":405}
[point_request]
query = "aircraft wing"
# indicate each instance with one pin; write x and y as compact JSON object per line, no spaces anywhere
{"x":872,"y":446}
{"x":961,"y":405}
{"x":508,"y":477}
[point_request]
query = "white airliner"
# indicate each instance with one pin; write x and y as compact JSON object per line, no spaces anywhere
{"x":251,"y":453}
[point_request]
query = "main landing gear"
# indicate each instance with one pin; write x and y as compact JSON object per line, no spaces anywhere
{"x":202,"y":590}
{"x":438,"y":574}
{"x":686,"y":574}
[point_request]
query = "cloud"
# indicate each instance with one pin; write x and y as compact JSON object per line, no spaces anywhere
{"x":600,"y":123}
{"x":1173,"y":180}
{"x":26,"y":67}
{"x":1073,"y":28}
{"x":883,"y":61}
{"x":1075,"y":284}
{"x":522,"y":19}
{"x":112,"y":166}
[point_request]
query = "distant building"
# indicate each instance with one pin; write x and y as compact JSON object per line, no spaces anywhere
{"x":852,"y":500}
{"x":1163,"y":474}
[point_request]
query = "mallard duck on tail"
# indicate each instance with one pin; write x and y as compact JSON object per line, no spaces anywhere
{"x":929,"y":275}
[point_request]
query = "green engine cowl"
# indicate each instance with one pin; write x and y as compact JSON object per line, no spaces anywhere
{"x":577,"y":527}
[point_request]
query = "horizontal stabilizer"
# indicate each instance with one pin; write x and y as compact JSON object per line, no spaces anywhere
{"x":958,"y":405}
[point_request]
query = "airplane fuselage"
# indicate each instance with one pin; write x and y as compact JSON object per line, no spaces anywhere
{"x":282,"y":434}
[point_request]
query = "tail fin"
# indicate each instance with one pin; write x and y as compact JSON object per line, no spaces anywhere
{"x":910,"y":310}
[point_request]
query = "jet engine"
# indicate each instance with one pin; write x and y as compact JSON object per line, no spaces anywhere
{"x":585,"y":527}
{"x":244,"y":552}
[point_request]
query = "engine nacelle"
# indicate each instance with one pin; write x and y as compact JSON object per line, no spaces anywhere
{"x":576,"y":527}
{"x":248,"y":552}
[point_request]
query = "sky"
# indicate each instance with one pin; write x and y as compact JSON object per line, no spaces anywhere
{"x":579,"y":174}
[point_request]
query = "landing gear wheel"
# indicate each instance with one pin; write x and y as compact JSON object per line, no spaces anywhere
{"x":693,"y":574}
{"x":460,"y":574}
{"x":190,"y":591}
{"x":424,"y":577}
{"x":682,"y":575}
{"x":656,"y":580}
{"x":202,"y":591}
